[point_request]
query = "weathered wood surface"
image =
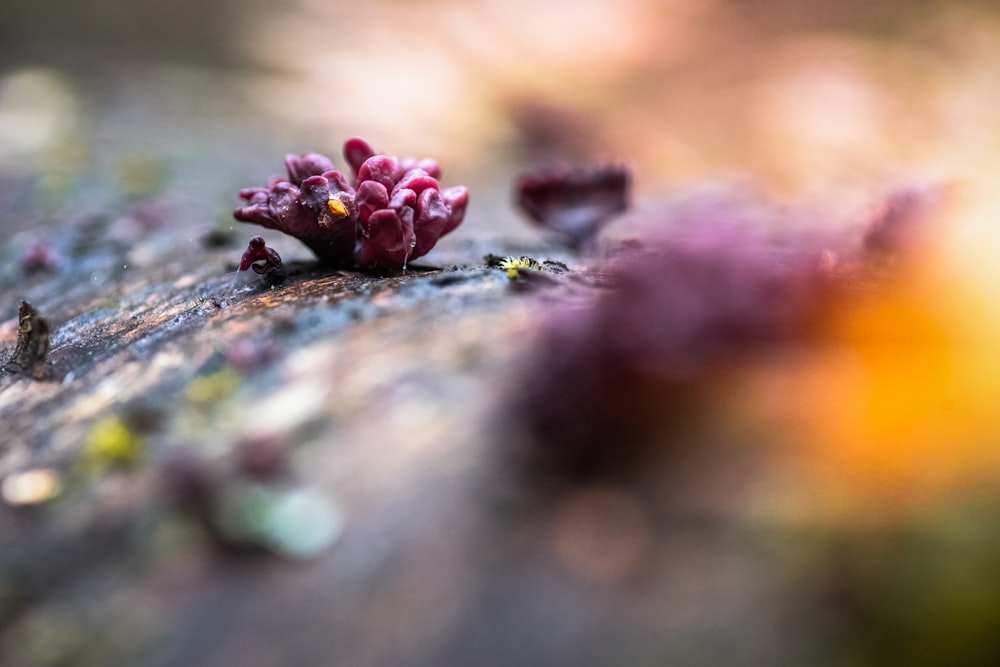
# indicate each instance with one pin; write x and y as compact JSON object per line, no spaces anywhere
{"x":386,"y":394}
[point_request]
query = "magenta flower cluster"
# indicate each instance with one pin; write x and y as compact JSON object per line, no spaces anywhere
{"x":391,"y":212}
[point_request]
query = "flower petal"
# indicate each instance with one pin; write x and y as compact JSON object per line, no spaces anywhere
{"x":356,"y":151}
{"x":432,"y":216}
{"x":252,"y":194}
{"x":387,"y":239}
{"x":371,"y":197}
{"x":380,"y":168}
{"x":301,"y":167}
{"x":431,"y":167}
{"x":338,"y":181}
{"x":417,"y":180}
{"x":401,"y":198}
{"x":457,"y":200}
{"x":315,"y":192}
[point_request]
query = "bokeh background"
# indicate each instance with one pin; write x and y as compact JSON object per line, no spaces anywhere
{"x":799,"y":98}
{"x":869,"y":536}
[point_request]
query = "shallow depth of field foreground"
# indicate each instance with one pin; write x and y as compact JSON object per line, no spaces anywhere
{"x":503,"y":333}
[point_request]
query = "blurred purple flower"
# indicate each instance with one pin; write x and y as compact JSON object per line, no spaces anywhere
{"x":40,"y":256}
{"x":263,"y":457}
{"x":900,"y":222}
{"x":606,"y":372}
{"x":574,"y":202}
{"x":393,"y":212}
{"x":250,"y":356}
{"x":691,"y":300}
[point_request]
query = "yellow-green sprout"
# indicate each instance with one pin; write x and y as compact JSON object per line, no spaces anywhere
{"x":514,"y":265}
{"x":211,"y":388}
{"x":111,"y":443}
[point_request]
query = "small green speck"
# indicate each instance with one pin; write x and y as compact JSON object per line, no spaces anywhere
{"x":110,"y":443}
{"x":212,"y":388}
{"x":514,"y":265}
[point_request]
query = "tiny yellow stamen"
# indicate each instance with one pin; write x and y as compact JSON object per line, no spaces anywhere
{"x":336,"y":207}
